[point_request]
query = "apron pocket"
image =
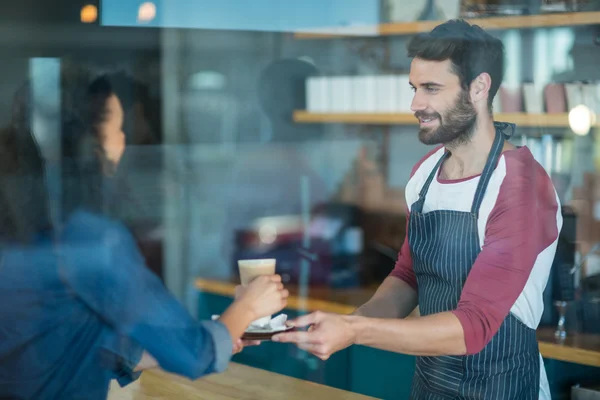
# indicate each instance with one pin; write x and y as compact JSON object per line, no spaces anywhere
{"x":440,"y":375}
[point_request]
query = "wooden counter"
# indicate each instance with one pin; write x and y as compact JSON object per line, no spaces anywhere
{"x":238,"y":382}
{"x":578,"y":348}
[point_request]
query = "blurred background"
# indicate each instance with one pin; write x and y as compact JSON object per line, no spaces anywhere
{"x":280,"y":129}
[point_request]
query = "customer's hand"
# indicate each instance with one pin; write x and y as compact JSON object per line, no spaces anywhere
{"x":239,"y":345}
{"x":264,"y":296}
{"x":327,"y":334}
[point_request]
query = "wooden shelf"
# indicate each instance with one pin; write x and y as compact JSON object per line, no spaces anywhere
{"x":493,"y":23}
{"x":367,"y":119}
{"x":577,"y":348}
{"x":521,"y":119}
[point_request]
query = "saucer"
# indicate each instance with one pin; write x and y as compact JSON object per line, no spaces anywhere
{"x":264,"y":334}
{"x":277,"y":325}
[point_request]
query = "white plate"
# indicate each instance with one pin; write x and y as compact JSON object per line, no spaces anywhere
{"x":277,"y":324}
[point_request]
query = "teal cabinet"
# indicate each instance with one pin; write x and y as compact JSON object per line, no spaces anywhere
{"x":365,"y":370}
{"x":380,"y":374}
{"x":564,"y":375}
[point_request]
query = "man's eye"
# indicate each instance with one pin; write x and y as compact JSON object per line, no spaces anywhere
{"x":432,"y":90}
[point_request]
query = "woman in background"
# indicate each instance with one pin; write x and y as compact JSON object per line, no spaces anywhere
{"x":78,"y":307}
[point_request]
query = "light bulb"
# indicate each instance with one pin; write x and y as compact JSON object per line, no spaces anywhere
{"x":146,"y":12}
{"x":581,"y":119}
{"x":89,"y":14}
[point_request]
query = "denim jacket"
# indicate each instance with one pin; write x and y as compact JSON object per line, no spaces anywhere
{"x":78,"y":313}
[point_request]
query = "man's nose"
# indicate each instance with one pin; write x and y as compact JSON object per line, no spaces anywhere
{"x":418,"y":102}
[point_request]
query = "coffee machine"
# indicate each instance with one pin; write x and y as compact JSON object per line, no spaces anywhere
{"x":558,"y":287}
{"x":332,"y":244}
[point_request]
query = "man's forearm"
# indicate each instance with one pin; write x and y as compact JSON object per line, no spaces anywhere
{"x":433,"y":335}
{"x":393,"y":299}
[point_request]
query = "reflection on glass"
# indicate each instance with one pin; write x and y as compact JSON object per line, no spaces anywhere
{"x":89,"y":14}
{"x":146,"y":12}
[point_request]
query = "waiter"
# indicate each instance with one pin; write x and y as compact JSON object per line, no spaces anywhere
{"x":482,"y":229}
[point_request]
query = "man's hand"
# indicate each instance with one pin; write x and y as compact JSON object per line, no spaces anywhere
{"x":329,"y":333}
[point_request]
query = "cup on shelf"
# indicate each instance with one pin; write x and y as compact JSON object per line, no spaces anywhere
{"x":371,"y":93}
{"x":387,"y":94}
{"x":312,"y":95}
{"x":340,"y":94}
{"x":317,"y":94}
{"x":555,"y":98}
{"x":364,"y":94}
{"x":405,"y":94}
{"x":533,"y":95}
{"x":358,"y":94}
{"x":549,"y":6}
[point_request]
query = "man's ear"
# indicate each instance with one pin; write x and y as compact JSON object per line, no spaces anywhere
{"x":480,"y":88}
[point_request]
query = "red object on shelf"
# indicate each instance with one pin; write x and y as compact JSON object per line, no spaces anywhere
{"x":511,"y":99}
{"x":555,"y":98}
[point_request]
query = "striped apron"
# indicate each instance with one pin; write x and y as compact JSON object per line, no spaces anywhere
{"x":444,"y":245}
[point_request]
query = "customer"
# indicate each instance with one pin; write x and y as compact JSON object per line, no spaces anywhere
{"x":77,"y":305}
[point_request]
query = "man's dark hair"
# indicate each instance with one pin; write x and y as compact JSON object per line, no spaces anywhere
{"x":471,"y":50}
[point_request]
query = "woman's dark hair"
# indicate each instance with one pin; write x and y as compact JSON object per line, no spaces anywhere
{"x":24,"y":209}
{"x":471,"y":50}
{"x":134,"y":96}
{"x":84,"y":164}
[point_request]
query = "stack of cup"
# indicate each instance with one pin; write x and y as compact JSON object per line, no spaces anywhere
{"x":359,"y":94}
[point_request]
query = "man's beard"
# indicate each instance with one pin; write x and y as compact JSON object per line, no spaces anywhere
{"x":455,"y":126}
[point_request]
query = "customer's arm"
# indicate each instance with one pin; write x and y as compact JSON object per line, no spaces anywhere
{"x":106,"y":271}
{"x":397,"y":295}
{"x":235,"y":318}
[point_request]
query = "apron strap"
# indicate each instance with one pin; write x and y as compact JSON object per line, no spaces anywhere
{"x":490,"y":164}
{"x":492,"y":161}
{"x":418,"y":205}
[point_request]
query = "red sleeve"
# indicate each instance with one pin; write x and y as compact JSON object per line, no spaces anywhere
{"x":521,"y":225}
{"x":404,"y":267}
